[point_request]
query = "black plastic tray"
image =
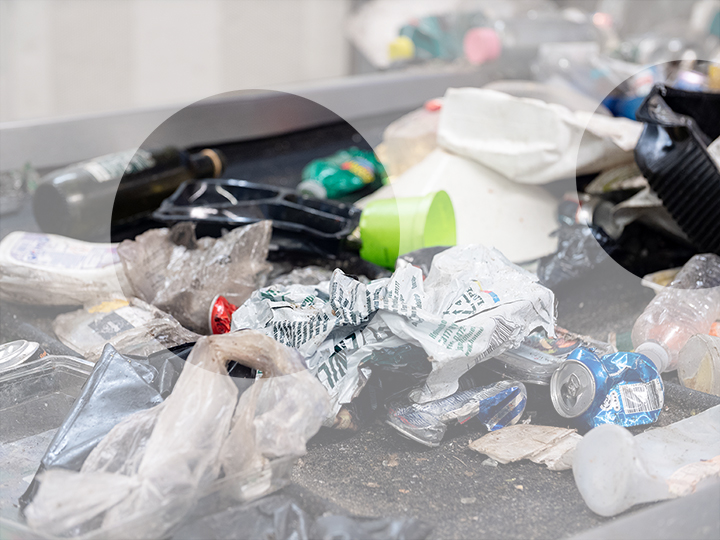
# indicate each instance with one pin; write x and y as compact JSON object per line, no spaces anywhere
{"x":299,"y":223}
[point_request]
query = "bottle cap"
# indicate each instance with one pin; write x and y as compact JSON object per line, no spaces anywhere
{"x":401,"y":48}
{"x":656,"y":353}
{"x":312,"y":189}
{"x":433,"y":105}
{"x":217,"y":161}
{"x":481,"y":45}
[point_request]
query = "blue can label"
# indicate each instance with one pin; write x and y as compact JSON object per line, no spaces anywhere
{"x":635,"y":393}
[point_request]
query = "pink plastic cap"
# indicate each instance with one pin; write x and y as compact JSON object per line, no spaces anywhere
{"x":433,"y":105}
{"x":481,"y":45}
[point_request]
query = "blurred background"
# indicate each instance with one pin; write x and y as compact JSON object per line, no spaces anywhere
{"x":72,"y":57}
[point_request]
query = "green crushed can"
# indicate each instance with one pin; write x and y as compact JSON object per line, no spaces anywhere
{"x":341,"y":174}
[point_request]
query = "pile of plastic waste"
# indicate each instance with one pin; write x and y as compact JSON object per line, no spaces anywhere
{"x":183,"y":371}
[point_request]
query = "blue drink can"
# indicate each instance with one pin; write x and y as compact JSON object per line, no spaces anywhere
{"x":621,"y":388}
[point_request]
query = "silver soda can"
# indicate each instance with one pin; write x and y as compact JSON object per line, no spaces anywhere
{"x":576,"y":385}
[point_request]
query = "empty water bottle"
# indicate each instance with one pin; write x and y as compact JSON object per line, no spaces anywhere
{"x":687,"y":307}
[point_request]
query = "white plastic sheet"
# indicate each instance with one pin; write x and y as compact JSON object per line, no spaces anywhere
{"x":530,"y":141}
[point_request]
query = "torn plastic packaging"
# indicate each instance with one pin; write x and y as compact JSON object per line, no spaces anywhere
{"x":130,"y":326}
{"x":150,"y":470}
{"x":180,"y":274}
{"x":580,"y":248}
{"x":473,"y":305}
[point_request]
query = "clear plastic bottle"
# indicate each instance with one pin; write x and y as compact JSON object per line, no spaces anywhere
{"x":614,"y":471}
{"x":687,"y":307}
{"x":410,"y":138}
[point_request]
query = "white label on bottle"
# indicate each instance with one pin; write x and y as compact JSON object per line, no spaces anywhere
{"x":58,"y":252}
{"x":115,"y":165}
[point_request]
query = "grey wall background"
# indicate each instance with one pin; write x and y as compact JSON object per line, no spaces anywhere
{"x":68,"y":57}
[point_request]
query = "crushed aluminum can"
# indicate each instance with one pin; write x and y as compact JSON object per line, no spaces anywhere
{"x":220,"y":316}
{"x":623,"y":388}
{"x":496,"y":406}
{"x":539,"y":355}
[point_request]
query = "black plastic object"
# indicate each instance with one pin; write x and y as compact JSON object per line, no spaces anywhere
{"x":76,"y":201}
{"x":299,"y":223}
{"x":580,"y":248}
{"x":118,"y":387}
{"x":296,"y":514}
{"x":672,"y":154}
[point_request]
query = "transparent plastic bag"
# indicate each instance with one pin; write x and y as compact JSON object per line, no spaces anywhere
{"x":307,"y":275}
{"x":156,"y":463}
{"x":131,"y":326}
{"x":178,"y":273}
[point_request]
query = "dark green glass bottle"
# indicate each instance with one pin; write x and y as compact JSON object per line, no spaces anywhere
{"x":84,"y":200}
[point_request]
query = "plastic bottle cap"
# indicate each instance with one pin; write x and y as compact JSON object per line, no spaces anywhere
{"x":401,"y":48}
{"x":481,"y":45}
{"x":433,"y":105}
{"x":656,"y":353}
{"x":312,"y":189}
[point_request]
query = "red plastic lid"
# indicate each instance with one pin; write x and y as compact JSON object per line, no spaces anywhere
{"x":481,"y":45}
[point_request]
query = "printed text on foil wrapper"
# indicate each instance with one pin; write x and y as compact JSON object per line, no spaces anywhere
{"x":473,"y":305}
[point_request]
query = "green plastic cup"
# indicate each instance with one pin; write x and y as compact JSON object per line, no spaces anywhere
{"x":392,"y":227}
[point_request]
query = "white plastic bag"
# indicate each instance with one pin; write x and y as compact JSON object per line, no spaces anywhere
{"x":148,"y":472}
{"x":530,"y":141}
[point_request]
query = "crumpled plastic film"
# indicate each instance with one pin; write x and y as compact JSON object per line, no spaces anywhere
{"x":130,"y":326}
{"x":180,"y":274}
{"x":147,"y":473}
{"x":474,"y":304}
